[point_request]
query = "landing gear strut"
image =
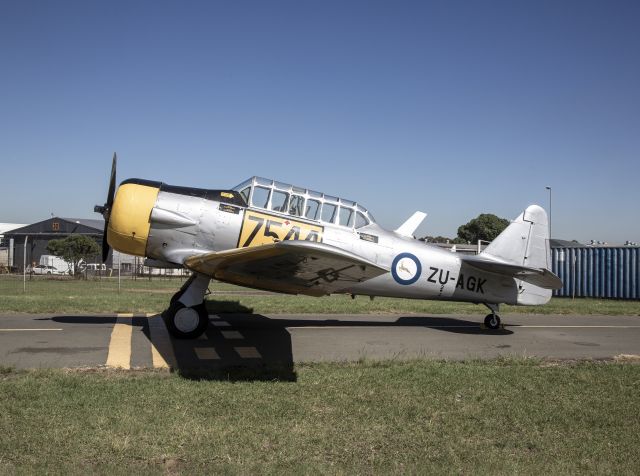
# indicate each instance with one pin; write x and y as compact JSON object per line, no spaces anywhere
{"x":492,"y":321}
{"x":187,"y":316}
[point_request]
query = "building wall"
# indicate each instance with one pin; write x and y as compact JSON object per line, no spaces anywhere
{"x":601,"y":272}
{"x":36,"y":247}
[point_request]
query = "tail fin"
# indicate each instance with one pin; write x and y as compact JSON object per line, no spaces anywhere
{"x":525,"y":242}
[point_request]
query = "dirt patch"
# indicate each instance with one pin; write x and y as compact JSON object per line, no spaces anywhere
{"x":627,"y":358}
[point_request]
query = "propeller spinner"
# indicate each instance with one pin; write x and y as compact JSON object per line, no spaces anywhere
{"x":105,"y":209}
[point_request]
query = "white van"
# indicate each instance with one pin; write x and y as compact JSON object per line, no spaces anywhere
{"x":58,"y":263}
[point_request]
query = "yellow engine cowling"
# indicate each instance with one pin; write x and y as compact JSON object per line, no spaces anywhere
{"x":129,"y":220}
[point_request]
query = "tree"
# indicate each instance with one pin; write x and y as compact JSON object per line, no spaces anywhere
{"x":485,"y":227}
{"x":443,"y":239}
{"x":435,"y":239}
{"x":74,"y":248}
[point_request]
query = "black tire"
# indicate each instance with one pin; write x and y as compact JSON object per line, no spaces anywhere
{"x":186,"y":322}
{"x":492,"y":321}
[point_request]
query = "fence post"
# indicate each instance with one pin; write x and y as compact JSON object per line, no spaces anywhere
{"x":24,"y":265}
{"x":119,"y":266}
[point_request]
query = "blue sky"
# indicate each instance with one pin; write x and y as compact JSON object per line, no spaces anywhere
{"x":453,"y":108}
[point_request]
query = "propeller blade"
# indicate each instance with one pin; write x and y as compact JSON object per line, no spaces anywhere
{"x":105,"y":210}
{"x":105,"y":246}
{"x":112,"y":182}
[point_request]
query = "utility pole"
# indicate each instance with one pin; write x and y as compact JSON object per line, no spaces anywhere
{"x":549,"y":188}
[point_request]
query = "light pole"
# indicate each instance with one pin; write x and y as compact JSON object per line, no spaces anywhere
{"x":549,"y":188}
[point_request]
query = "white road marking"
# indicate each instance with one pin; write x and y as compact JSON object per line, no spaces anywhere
{"x":248,"y":352}
{"x":120,"y":343}
{"x":162,"y":354}
{"x":463,"y":327}
{"x":575,"y":327}
{"x":231,"y":335}
{"x":24,"y":330}
{"x":382,"y":324}
{"x":206,"y":353}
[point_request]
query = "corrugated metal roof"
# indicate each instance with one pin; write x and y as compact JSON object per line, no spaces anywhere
{"x":5,"y":227}
{"x":97,"y":224}
{"x":556,"y":243}
{"x":65,"y":226}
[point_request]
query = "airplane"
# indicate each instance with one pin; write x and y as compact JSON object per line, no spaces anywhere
{"x":273,"y":236}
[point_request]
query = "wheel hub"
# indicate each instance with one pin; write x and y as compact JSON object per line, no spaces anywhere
{"x":186,"y":319}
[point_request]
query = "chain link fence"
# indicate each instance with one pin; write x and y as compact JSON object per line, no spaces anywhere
{"x":41,"y":281}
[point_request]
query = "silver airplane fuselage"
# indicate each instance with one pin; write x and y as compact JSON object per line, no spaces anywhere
{"x":199,"y":229}
{"x":185,"y":223}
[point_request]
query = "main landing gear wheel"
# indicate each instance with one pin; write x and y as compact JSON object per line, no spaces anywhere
{"x":186,"y":322}
{"x":492,"y":321}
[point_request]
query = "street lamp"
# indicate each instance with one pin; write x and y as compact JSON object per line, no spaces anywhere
{"x":549,"y":188}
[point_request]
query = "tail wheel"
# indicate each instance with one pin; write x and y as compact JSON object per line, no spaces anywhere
{"x":492,"y":321}
{"x":186,"y":322}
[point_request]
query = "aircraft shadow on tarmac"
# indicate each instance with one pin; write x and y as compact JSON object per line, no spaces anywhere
{"x":243,"y":346}
{"x":446,"y":324}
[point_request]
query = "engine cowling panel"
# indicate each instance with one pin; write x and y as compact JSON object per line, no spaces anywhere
{"x":129,"y":222}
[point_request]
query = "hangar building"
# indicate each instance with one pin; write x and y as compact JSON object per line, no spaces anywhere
{"x":5,"y":254}
{"x":39,"y":234}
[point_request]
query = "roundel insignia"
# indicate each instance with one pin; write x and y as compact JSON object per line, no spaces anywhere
{"x":406,"y":268}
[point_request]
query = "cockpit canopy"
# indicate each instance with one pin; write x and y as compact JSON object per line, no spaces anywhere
{"x":281,"y":197}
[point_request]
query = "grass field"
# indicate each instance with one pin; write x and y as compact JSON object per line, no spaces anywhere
{"x":511,"y":416}
{"x":502,"y":417}
{"x":143,"y":295}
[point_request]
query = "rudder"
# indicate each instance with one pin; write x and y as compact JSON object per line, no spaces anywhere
{"x":525,"y":242}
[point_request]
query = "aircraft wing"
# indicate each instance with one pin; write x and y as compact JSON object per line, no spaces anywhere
{"x":541,"y":277}
{"x":295,"y":267}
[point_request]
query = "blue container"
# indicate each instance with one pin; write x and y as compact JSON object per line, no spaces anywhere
{"x":601,"y":272}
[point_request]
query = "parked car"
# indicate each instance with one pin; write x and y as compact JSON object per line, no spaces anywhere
{"x":43,"y":269}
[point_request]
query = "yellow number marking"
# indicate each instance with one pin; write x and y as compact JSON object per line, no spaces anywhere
{"x":261,"y":229}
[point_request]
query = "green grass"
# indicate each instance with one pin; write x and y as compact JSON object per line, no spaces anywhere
{"x":143,"y":295}
{"x":504,"y":417}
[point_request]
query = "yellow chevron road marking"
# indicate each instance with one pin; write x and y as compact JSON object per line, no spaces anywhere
{"x":119,"y":355}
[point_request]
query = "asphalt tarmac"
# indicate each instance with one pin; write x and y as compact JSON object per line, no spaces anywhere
{"x":239,"y":340}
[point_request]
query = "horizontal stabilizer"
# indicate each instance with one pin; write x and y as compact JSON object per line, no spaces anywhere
{"x":410,"y":226}
{"x":540,"y":277}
